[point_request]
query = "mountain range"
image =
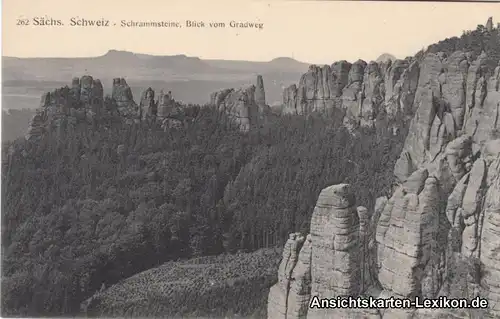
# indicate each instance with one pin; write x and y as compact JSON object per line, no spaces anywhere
{"x":191,"y":78}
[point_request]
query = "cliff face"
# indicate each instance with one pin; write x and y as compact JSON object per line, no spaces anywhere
{"x":244,"y":105}
{"x":364,"y":91}
{"x":438,"y":233}
{"x":122,"y":94}
{"x":85,"y":101}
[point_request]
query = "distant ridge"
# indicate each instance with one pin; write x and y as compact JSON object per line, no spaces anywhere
{"x":192,"y":78}
{"x":122,"y":54}
{"x":385,"y":57}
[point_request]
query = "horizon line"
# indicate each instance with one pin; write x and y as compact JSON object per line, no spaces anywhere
{"x":149,"y":54}
{"x":202,"y":58}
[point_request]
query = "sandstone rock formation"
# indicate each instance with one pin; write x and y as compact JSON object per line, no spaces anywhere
{"x":36,"y":126}
{"x":84,"y":101}
{"x":438,"y":232}
{"x":328,"y":263}
{"x":239,"y":104}
{"x":148,"y":105}
{"x":489,"y":24}
{"x":278,"y":306}
{"x":364,"y":91}
{"x":260,"y":94}
{"x":244,"y":105}
{"x":122,"y":95}
{"x":166,"y":104}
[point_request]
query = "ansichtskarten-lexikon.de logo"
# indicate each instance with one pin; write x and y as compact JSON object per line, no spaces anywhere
{"x":401,"y":303}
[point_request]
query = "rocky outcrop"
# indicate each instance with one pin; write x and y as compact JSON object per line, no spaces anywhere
{"x":239,"y":104}
{"x":371,"y":95}
{"x":453,"y":99}
{"x":278,"y":305}
{"x":437,"y":234}
{"x":405,"y":235}
{"x":489,"y":213}
{"x":364,"y":91}
{"x":91,"y":93}
{"x":489,"y":24}
{"x":450,"y":137}
{"x":300,"y":286}
{"x":328,"y":263}
{"x":148,"y":105}
{"x":335,"y":236}
{"x":260,"y":94}
{"x":122,"y":95}
{"x":320,"y":89}
{"x":244,"y":105}
{"x":166,"y":104}
{"x":335,"y":261}
{"x":84,"y":101}
{"x":36,"y":126}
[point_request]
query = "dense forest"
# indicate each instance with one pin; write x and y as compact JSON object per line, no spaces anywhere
{"x":94,"y":203}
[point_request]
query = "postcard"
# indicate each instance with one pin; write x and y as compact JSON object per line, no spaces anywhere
{"x":250,"y":159}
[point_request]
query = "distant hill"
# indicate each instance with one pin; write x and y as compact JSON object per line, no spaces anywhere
{"x":385,"y":57}
{"x":134,"y":65}
{"x":191,"y":79}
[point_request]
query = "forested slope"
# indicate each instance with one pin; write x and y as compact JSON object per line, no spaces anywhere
{"x":105,"y":201}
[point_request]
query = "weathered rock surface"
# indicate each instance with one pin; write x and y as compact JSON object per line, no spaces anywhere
{"x":438,"y":233}
{"x":372,"y":94}
{"x":260,"y":94}
{"x":328,"y":264}
{"x":335,"y":237}
{"x":489,"y":24}
{"x":122,"y":95}
{"x":239,"y":104}
{"x":364,"y":91}
{"x":36,"y":126}
{"x":278,"y":295}
{"x":243,"y":105}
{"x":84,"y":101}
{"x":148,"y":105}
{"x":405,"y":235}
{"x":166,"y":104}
{"x":300,"y":287}
{"x":490,"y":232}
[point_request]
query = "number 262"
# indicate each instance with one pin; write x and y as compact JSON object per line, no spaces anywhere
{"x":23,"y":22}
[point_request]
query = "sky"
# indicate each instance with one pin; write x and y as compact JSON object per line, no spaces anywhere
{"x":309,"y":31}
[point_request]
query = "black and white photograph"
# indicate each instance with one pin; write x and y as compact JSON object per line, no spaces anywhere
{"x":278,"y":159}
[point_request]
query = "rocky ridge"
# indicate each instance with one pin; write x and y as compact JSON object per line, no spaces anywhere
{"x":437,"y":235}
{"x":363,"y":91}
{"x":85,"y":101}
{"x":244,"y":105}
